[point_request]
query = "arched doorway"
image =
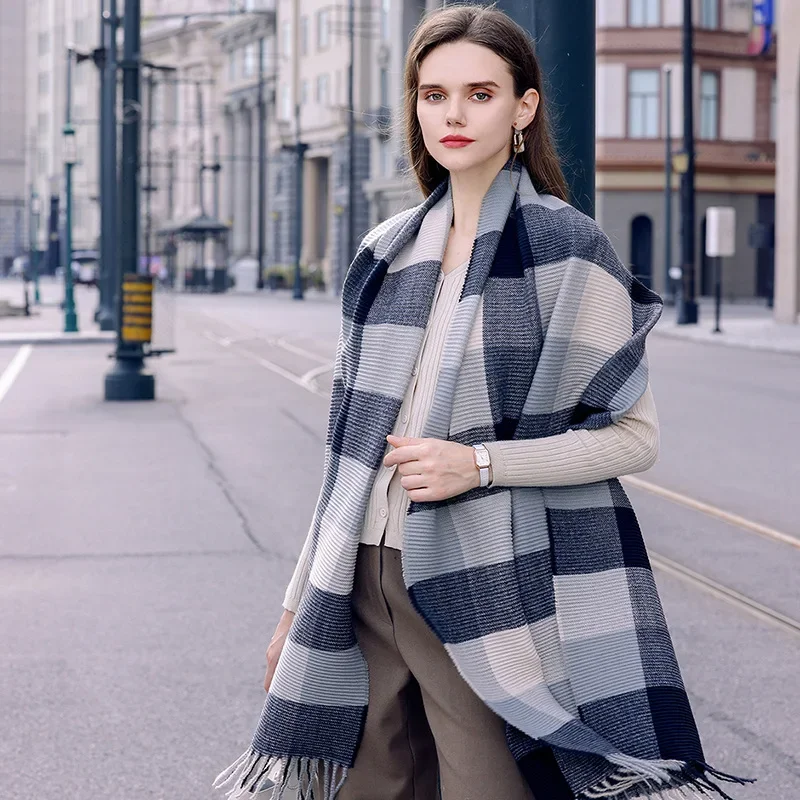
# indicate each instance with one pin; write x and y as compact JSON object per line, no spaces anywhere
{"x":642,"y":249}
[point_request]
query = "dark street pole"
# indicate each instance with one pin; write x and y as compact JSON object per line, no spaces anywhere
{"x":687,"y":306}
{"x":127,"y":380}
{"x":300,"y":153}
{"x":565,"y":45}
{"x":262,"y":157}
{"x":108,"y":168}
{"x":70,"y":158}
{"x":669,"y":294}
{"x":148,"y":188}
{"x":351,"y":150}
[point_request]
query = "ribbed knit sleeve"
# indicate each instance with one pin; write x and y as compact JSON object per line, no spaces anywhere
{"x":581,"y":456}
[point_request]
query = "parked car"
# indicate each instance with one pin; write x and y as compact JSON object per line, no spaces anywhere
{"x":85,"y":267}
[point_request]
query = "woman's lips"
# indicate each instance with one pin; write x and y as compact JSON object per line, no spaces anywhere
{"x":456,"y":143}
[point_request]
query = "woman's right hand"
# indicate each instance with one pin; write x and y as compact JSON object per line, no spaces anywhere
{"x":275,"y":647}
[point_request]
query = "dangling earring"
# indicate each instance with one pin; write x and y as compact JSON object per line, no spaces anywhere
{"x":519,"y":142}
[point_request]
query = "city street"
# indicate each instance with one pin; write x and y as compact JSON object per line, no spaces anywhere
{"x":145,"y":548}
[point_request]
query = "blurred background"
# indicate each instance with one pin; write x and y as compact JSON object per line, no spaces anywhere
{"x":182,"y":187}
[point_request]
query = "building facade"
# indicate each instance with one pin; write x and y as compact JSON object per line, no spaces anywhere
{"x":787,"y":283}
{"x":181,"y":138}
{"x":13,"y":227}
{"x":52,"y":26}
{"x":735,"y":129}
{"x":312,"y":106}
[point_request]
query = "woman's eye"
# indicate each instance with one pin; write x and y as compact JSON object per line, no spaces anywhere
{"x":485,"y":94}
{"x":432,"y":95}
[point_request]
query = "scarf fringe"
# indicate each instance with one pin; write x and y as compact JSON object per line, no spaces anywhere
{"x":254,"y":772}
{"x":664,"y":780}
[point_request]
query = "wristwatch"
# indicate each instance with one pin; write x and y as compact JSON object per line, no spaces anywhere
{"x":482,"y":462}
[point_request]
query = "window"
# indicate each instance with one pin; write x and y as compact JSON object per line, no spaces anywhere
{"x":773,"y":110}
{"x":323,"y":30}
{"x":322,"y":90}
{"x":709,"y":14}
{"x":286,"y":102}
{"x":232,"y":65}
{"x":44,"y":44}
{"x":44,"y":82}
{"x":43,"y":123}
{"x":643,"y":13}
{"x":303,"y":36}
{"x":286,"y":44}
{"x":384,"y":87}
{"x":304,"y":93}
{"x":643,"y":86}
{"x":158,"y":104}
{"x":385,"y":7}
{"x":82,"y":30}
{"x":250,"y":60}
{"x":709,"y":105}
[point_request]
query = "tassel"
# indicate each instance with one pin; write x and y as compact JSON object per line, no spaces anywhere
{"x":254,"y":772}
{"x":688,"y":782}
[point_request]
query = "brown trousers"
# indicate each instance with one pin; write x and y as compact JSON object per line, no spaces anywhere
{"x":423,"y":720}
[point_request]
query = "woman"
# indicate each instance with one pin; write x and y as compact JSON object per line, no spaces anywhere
{"x":474,"y":604}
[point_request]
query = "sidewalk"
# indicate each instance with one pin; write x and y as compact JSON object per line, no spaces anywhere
{"x":45,"y":325}
{"x":744,"y":325}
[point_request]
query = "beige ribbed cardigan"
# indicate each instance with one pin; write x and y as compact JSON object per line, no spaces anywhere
{"x":575,"y":457}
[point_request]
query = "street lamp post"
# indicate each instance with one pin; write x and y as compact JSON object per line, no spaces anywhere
{"x":34,"y":254}
{"x":70,"y":159}
{"x":687,"y":305}
{"x":668,"y":290}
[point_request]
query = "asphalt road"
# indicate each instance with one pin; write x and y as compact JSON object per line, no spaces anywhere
{"x":145,"y":549}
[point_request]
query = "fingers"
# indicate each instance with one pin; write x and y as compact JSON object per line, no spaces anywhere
{"x":401,"y":441}
{"x":413,"y":482}
{"x":402,"y":455}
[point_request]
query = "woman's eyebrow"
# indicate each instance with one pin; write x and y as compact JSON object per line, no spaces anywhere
{"x":472,"y":85}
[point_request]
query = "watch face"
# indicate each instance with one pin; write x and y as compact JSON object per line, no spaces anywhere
{"x":482,"y":458}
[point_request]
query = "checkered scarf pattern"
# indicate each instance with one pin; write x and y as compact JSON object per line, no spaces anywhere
{"x":543,"y":597}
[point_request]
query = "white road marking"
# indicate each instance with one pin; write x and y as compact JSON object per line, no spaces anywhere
{"x":306,"y":381}
{"x":713,"y":511}
{"x":310,"y":378}
{"x":12,"y":371}
{"x":293,"y":348}
{"x":218,"y":339}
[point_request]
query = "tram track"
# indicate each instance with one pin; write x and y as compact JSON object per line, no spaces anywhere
{"x":660,"y":562}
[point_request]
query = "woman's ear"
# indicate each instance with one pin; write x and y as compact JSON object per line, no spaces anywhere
{"x":528,"y":105}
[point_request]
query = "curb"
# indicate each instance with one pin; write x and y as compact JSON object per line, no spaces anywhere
{"x":38,"y":338}
{"x":720,"y":340}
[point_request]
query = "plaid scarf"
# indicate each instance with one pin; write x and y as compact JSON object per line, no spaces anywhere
{"x":543,"y":597}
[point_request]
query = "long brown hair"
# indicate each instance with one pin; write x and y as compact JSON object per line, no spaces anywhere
{"x":495,"y":30}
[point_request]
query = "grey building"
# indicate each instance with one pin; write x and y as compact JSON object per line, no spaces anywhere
{"x":13,"y":227}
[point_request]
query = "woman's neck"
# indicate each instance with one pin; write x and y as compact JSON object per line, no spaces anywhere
{"x":468,"y":188}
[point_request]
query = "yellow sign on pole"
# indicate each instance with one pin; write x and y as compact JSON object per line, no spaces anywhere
{"x":137,"y":309}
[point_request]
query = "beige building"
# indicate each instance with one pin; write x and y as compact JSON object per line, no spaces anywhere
{"x":787,"y":282}
{"x":181,"y":142}
{"x":311,"y":77}
{"x":13,"y":227}
{"x":55,"y":25}
{"x":735,"y":130}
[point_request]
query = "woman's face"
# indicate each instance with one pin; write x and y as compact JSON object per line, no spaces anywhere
{"x":466,"y":90}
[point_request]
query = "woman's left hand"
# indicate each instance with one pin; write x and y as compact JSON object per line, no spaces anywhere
{"x":433,"y":469}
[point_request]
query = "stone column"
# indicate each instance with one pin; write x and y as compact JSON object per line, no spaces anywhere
{"x":241,"y":200}
{"x":787,"y":172}
{"x":228,"y":168}
{"x":254,"y":179}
